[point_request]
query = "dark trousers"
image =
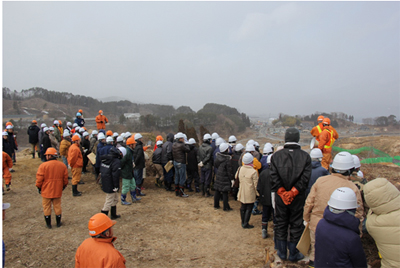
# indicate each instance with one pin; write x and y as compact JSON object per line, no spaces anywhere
{"x":217,"y":196}
{"x":290,"y":215}
{"x":205,"y":176}
{"x":247,"y":206}
{"x":192,"y":175}
{"x":85,"y":162}
{"x":168,"y":175}
{"x":267,"y":210}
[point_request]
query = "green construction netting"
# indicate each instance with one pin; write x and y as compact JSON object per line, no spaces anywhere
{"x":385,"y":158}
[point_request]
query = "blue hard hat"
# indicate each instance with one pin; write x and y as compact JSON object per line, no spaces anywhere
{"x":78,"y":114}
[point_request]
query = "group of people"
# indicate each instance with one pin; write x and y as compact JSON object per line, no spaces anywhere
{"x":297,"y":190}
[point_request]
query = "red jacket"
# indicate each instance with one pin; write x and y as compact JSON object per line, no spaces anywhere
{"x":99,"y":253}
{"x":52,"y":177}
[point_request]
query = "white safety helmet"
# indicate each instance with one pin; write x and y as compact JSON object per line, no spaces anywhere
{"x":250,"y":148}
{"x":256,"y":144}
{"x":343,"y":198}
{"x":239,"y":147}
{"x":223,"y":147}
{"x":250,"y":142}
{"x":75,"y":125}
{"x":138,"y":136}
{"x":122,"y":150}
{"x":207,"y":137}
{"x":316,"y":153}
{"x":69,"y":124}
{"x":81,"y":130}
{"x":45,"y":129}
{"x":109,"y":139}
{"x":268,"y":148}
{"x":77,"y":129}
{"x":247,"y":158}
{"x":128,"y":134}
{"x":56,"y":122}
{"x":95,"y":132}
{"x":159,"y":143}
{"x":66,"y":130}
{"x":101,"y":136}
{"x":120,"y":139}
{"x":192,"y":141}
{"x":85,"y":134}
{"x":343,"y":161}
{"x":66,"y":134}
{"x":232,"y":139}
{"x":219,"y":141}
{"x":51,"y":128}
{"x":179,"y":135}
{"x":269,"y":158}
{"x":43,"y":125}
{"x":115,"y":134}
{"x":184,"y":137}
{"x":356,"y":161}
{"x":215,"y":136}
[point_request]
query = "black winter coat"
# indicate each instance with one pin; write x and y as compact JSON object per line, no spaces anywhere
{"x":110,"y":170}
{"x":235,"y":161}
{"x":264,"y":187}
{"x":179,"y":150}
{"x":7,"y":148}
{"x":157,"y":155}
{"x":138,"y":156}
{"x":11,"y":141}
{"x":85,"y":145}
{"x":224,"y":173}
{"x":33,"y":132}
{"x":46,"y":142}
{"x":192,"y":158}
{"x":166,"y":154}
{"x":290,"y":167}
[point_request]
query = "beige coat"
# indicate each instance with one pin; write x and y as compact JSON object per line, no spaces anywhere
{"x":383,"y":219}
{"x":320,"y":194}
{"x":248,"y":179}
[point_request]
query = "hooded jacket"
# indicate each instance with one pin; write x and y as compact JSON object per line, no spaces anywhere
{"x":7,"y":147}
{"x":264,"y":187}
{"x":383,"y":219}
{"x":80,"y":121}
{"x":156,"y":158}
{"x":179,"y":150}
{"x":317,"y":171}
{"x":52,"y":177}
{"x":138,"y":156}
{"x":205,"y":155}
{"x":166,"y":154}
{"x":192,"y":158}
{"x":110,"y":170}
{"x":46,"y":142}
{"x":337,"y":241}
{"x":224,"y":174}
{"x":64,"y":146}
{"x":33,"y":132}
{"x":127,"y":164}
{"x":57,"y":133}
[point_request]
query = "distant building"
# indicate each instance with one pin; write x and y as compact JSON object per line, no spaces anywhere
{"x":132,"y":116}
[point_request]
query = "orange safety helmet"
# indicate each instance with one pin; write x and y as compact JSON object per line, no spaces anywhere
{"x":326,"y":121}
{"x":84,"y":128}
{"x":159,"y":138}
{"x":109,"y":133}
{"x":51,"y":151}
{"x":76,"y":138}
{"x":80,"y":111}
{"x":130,"y":141}
{"x":99,"y":223}
{"x":60,"y":122}
{"x":9,"y":123}
{"x":101,"y":111}
{"x":320,"y":118}
{"x":34,"y":121}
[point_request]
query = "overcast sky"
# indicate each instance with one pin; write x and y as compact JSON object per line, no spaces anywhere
{"x":259,"y":57}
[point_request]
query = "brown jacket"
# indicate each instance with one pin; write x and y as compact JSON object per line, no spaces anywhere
{"x":75,"y":158}
{"x":52,"y":177}
{"x":320,"y":194}
{"x":179,"y":151}
{"x":64,"y":146}
{"x":248,"y":179}
{"x":99,"y":253}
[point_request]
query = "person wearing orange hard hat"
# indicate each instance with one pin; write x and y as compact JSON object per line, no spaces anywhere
{"x":51,"y":180}
{"x":158,"y":138}
{"x":315,"y":131}
{"x":326,"y":140}
{"x":101,"y":120}
{"x":98,"y":250}
{"x":33,"y":133}
{"x":75,"y":161}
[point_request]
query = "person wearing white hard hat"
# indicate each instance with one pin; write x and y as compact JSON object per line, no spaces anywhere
{"x":232,"y":143}
{"x":99,"y":145}
{"x":64,"y":147}
{"x":33,"y":133}
{"x":156,"y":158}
{"x":140,"y":163}
{"x":192,"y":169}
{"x":6,"y":145}
{"x":236,"y":156}
{"x":93,"y":140}
{"x":214,"y":137}
{"x":85,"y":146}
{"x":248,"y":179}
{"x":119,"y":141}
{"x":224,"y":176}
{"x":342,"y":167}
{"x":290,"y":173}
{"x":205,"y":163}
{"x":41,"y":134}
{"x":357,"y":177}
{"x":166,"y":157}
{"x":317,"y":170}
{"x":69,"y":126}
{"x":56,"y":130}
{"x":110,"y":171}
{"x":265,"y":193}
{"x":179,"y":151}
{"x":54,"y":142}
{"x":46,"y":142}
{"x":338,"y":242}
{"x":267,"y":150}
{"x":12,"y":141}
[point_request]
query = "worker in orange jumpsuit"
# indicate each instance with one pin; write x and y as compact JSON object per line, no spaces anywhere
{"x":60,"y":128}
{"x":7,"y":165}
{"x":101,"y":120}
{"x":51,"y":180}
{"x":326,"y":140}
{"x":75,"y":160}
{"x":315,"y":131}
{"x":98,"y":250}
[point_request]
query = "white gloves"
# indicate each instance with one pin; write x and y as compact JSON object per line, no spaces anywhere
{"x":85,"y":150}
{"x":233,"y":182}
{"x":200,"y":164}
{"x":360,"y":174}
{"x":305,"y":223}
{"x":273,"y":199}
{"x":115,"y":190}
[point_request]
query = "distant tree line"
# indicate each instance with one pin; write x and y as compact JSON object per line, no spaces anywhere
{"x":382,"y":121}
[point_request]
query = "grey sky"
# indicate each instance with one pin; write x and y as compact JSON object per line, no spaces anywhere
{"x":260,"y":57}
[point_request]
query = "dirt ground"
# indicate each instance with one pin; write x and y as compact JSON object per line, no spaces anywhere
{"x":161,"y":230}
